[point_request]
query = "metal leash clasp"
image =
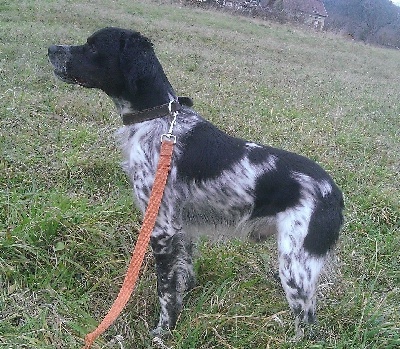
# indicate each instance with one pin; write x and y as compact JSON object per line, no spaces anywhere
{"x":169,"y":135}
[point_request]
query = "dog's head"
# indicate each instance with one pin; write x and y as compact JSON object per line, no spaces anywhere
{"x":120,"y":62}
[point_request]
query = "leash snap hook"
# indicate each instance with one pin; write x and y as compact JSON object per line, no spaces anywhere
{"x":173,"y":112}
{"x":168,"y":136}
{"x":173,"y":107}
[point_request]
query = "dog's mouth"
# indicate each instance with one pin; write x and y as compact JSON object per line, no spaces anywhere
{"x":65,"y":77}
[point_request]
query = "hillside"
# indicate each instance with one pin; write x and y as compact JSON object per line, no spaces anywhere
{"x":371,"y":21}
{"x":67,"y":221}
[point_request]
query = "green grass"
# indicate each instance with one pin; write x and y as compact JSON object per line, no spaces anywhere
{"x":67,"y":221}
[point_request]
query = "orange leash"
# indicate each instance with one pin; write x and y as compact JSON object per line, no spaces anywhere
{"x":149,"y":220}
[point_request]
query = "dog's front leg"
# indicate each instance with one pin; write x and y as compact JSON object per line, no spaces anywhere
{"x":175,"y":276}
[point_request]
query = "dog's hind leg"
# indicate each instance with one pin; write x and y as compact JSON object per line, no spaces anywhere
{"x":175,"y":276}
{"x":299,"y":270}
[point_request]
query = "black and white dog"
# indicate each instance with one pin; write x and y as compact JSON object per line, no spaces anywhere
{"x":218,"y":184}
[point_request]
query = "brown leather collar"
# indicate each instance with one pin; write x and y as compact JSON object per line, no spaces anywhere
{"x":156,"y":112}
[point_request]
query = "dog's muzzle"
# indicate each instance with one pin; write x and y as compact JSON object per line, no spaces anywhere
{"x":59,"y":56}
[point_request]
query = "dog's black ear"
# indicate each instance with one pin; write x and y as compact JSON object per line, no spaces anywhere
{"x":134,"y":40}
{"x":136,"y":52}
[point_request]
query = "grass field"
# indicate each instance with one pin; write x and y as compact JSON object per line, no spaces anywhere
{"x":67,"y":222}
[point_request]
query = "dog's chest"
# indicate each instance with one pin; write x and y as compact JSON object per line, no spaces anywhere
{"x":141,"y":153}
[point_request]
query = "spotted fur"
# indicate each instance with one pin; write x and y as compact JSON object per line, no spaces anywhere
{"x":219,"y":185}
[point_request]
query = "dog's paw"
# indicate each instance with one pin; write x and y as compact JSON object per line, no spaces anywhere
{"x":159,"y":332}
{"x":158,"y":343}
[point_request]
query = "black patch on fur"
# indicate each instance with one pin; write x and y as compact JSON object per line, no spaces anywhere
{"x":325,"y":224}
{"x":258,"y":155}
{"x":275,"y":192}
{"x":208,"y":152}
